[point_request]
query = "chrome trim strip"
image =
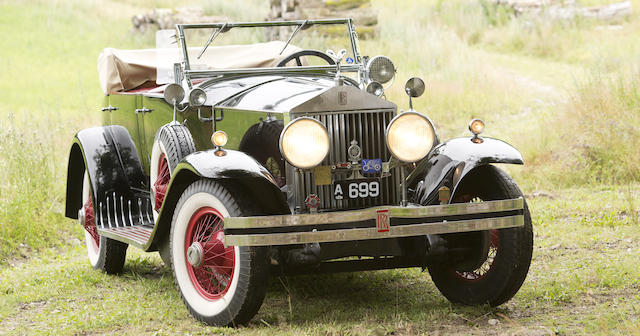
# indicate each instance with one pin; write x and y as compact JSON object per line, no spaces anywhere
{"x":130,"y":216}
{"x":124,"y":221}
{"x":132,"y":235}
{"x":372,"y":233}
{"x":370,"y":214}
{"x":108,"y":215}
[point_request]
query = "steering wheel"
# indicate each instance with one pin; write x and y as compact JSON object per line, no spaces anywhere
{"x":307,"y":52}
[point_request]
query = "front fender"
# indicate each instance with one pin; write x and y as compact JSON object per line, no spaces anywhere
{"x":448,"y":163}
{"x":235,"y":169}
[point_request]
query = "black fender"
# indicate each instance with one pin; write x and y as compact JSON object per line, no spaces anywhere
{"x":448,"y":163}
{"x":115,"y":172}
{"x":234,"y":169}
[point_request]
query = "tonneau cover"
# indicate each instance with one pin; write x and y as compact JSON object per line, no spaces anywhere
{"x":123,"y":70}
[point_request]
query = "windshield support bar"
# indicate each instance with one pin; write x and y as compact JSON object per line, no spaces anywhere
{"x":214,"y":34}
{"x":302,"y":26}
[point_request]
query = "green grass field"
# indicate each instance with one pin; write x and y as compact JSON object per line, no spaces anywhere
{"x":567,"y":94}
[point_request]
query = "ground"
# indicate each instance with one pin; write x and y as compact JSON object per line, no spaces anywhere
{"x":566,"y":94}
{"x":584,"y":279}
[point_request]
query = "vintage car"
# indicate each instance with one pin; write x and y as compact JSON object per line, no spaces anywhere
{"x":244,"y":161}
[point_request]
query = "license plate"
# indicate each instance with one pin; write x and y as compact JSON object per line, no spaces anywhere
{"x":364,"y":188}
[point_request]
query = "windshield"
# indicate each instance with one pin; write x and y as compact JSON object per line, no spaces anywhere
{"x":214,"y":48}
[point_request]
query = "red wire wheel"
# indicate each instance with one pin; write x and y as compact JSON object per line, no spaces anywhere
{"x":485,"y":268}
{"x":162,"y":182}
{"x":90,"y":224}
{"x":210,"y":265}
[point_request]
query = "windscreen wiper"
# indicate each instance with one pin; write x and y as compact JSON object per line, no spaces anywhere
{"x":304,"y":25}
{"x":213,"y":36}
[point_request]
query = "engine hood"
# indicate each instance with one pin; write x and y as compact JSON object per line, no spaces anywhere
{"x":289,"y":94}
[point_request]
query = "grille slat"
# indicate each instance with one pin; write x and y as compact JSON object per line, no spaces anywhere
{"x":368,"y":129}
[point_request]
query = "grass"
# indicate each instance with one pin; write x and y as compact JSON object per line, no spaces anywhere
{"x":564,"y":93}
{"x":584,"y":280}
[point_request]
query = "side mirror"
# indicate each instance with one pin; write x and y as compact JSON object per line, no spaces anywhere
{"x":414,"y":87}
{"x":173,"y":94}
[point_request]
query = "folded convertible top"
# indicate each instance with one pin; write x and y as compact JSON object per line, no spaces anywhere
{"x":123,"y":70}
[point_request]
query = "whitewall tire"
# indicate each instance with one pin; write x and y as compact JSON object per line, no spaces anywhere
{"x":220,"y":285}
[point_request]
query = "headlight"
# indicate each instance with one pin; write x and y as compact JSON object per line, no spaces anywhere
{"x":381,"y":69}
{"x":410,"y":136}
{"x":197,"y":97}
{"x":375,"y":89}
{"x":304,"y":143}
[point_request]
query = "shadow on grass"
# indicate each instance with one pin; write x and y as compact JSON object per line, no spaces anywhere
{"x":361,"y":297}
{"x":372,"y":298}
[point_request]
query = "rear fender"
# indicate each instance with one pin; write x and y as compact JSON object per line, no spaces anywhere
{"x":234,"y":169}
{"x":450,"y":162}
{"x":110,"y":157}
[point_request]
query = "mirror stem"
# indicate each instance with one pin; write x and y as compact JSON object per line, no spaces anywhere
{"x":174,"y":110}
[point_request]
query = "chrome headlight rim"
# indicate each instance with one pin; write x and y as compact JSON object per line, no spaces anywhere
{"x":434,"y":137}
{"x":370,"y":63}
{"x":284,"y":132}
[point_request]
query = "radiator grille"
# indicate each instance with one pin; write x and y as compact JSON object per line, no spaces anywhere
{"x":366,"y":127}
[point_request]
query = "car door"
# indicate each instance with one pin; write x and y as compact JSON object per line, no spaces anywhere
{"x":127,"y":116}
{"x":105,"y":111}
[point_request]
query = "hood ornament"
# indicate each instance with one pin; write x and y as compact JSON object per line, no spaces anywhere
{"x":338,"y":58}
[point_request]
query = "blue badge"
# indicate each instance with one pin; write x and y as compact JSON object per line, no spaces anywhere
{"x":349,"y":60}
{"x":371,"y":166}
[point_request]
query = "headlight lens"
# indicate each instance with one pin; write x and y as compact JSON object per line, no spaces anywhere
{"x":304,"y":143}
{"x":381,"y":69}
{"x":410,"y":136}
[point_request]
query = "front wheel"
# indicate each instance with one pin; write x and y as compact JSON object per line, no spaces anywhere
{"x":499,"y":269}
{"x":220,"y":285}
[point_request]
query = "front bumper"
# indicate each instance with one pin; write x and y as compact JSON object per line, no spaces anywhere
{"x":373,"y":223}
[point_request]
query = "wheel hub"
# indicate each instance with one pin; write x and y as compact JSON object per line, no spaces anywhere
{"x":195,"y":254}
{"x":81,"y":219}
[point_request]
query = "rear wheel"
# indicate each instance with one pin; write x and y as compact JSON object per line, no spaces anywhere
{"x":222,"y":286}
{"x":104,"y":253}
{"x":499,"y":271}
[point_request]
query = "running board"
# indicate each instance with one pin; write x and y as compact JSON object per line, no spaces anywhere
{"x":137,"y":235}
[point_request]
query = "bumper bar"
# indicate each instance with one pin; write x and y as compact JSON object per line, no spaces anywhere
{"x":373,"y":223}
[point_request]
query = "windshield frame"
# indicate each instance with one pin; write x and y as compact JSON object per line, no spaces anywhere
{"x":189,"y":74}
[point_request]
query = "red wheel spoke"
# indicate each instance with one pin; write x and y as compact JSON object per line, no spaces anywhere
{"x":486,"y":266}
{"x":90,"y":222}
{"x":162,"y":182}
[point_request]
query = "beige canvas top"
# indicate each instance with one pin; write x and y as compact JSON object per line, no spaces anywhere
{"x":123,"y":70}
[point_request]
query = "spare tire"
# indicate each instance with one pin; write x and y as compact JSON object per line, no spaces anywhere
{"x":172,"y":143}
{"x":262,"y":142}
